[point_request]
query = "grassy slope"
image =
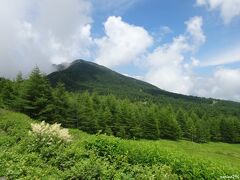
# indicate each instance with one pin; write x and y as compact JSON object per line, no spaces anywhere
{"x":222,"y":155}
{"x":226,"y":155}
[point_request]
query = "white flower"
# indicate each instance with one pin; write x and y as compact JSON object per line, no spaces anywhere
{"x":47,"y":130}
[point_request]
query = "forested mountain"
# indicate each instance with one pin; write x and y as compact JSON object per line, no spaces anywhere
{"x":83,"y":75}
{"x":126,"y":109}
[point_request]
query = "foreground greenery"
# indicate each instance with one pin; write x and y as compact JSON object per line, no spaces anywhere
{"x":141,"y":119}
{"x":40,"y":152}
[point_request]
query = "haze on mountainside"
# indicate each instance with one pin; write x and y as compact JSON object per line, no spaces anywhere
{"x":175,"y":52}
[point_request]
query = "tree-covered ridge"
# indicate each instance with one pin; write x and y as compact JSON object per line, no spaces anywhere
{"x":119,"y":117}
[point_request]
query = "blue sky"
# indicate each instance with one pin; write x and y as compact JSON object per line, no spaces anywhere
{"x":190,"y":47}
{"x":154,"y":15}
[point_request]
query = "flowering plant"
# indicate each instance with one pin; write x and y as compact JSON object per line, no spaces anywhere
{"x":47,"y":140}
{"x":46,"y":131}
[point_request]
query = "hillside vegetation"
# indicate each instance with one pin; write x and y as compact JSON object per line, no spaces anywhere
{"x":36,"y":152}
{"x":122,"y":117}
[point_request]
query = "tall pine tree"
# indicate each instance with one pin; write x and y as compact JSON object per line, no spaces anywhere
{"x":37,"y":96}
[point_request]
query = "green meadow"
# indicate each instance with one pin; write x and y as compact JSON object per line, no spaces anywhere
{"x":106,"y":157}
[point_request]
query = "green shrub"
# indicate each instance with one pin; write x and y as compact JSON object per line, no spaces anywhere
{"x":104,"y":146}
{"x":13,"y":127}
{"x":96,"y":167}
{"x":110,"y":151}
{"x":14,"y":165}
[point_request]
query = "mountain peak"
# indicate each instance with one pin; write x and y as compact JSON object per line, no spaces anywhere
{"x":83,"y":75}
{"x":79,"y":61}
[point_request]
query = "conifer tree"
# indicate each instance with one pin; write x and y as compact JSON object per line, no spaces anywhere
{"x":202,"y":131}
{"x":87,"y":120}
{"x":122,"y":132}
{"x":214,"y":124}
{"x":104,"y":117}
{"x":19,"y":85}
{"x":190,"y":129}
{"x":108,"y":131}
{"x":135,"y":129}
{"x":37,"y":95}
{"x":230,"y":130}
{"x":8,"y":94}
{"x":169,"y":127}
{"x":150,"y":124}
{"x":181,"y":119}
{"x":60,"y":111}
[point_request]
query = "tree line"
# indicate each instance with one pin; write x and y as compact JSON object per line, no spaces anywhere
{"x":94,"y":113}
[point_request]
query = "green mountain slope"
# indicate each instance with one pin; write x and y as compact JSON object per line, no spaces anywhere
{"x":83,"y":75}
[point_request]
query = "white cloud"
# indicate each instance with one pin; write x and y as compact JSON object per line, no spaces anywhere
{"x":37,"y":32}
{"x":161,"y":33}
{"x":194,"y":28}
{"x":60,"y":17}
{"x":228,"y":56}
{"x":78,"y":45}
{"x":122,"y":44}
{"x":165,"y":30}
{"x":228,"y":8}
{"x":201,"y":2}
{"x":195,"y":62}
{"x":167,"y":63}
{"x":224,"y":84}
{"x":166,"y":67}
